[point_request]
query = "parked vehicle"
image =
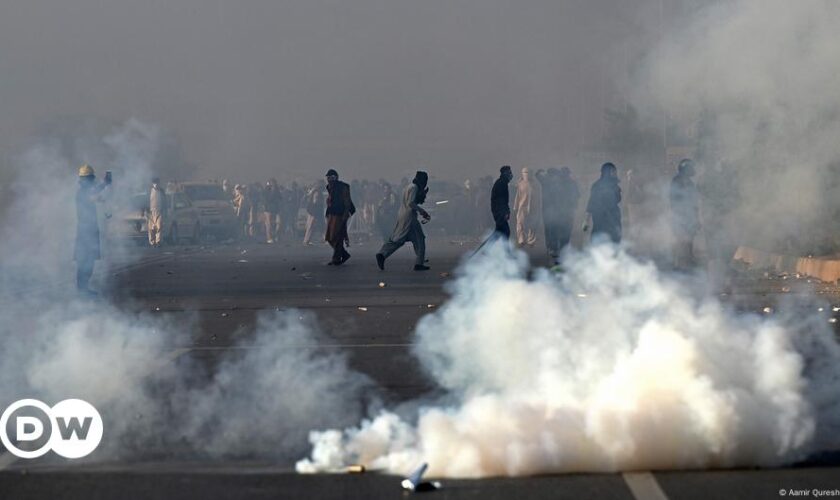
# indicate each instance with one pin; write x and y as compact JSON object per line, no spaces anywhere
{"x":215,"y":208}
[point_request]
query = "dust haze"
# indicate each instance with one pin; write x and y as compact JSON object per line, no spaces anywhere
{"x":375,"y":88}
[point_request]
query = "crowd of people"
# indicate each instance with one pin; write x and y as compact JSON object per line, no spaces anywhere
{"x":397,"y":213}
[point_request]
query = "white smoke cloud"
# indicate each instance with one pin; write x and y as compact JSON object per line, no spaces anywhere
{"x":752,"y":84}
{"x":610,"y":366}
{"x":260,"y":400}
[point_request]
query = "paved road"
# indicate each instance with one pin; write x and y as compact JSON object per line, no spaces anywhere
{"x":227,"y":286}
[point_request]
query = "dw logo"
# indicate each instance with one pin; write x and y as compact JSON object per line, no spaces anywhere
{"x":72,"y":428}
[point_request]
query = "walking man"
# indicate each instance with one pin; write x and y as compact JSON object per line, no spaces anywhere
{"x":408,"y":228}
{"x":339,"y":210}
{"x":500,"y":202}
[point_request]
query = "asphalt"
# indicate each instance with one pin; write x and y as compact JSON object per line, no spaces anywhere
{"x":370,"y":315}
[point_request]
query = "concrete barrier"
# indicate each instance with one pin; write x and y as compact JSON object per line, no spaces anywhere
{"x":822,"y":268}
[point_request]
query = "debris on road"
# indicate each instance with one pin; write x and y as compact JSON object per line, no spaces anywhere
{"x":356,"y":469}
{"x":415,"y":482}
{"x":382,"y":284}
{"x":363,"y":309}
{"x":767,"y":310}
{"x":430,"y":306}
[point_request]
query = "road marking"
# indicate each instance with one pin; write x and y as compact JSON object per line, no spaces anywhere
{"x":643,"y":486}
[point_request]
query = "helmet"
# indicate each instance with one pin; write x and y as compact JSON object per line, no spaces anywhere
{"x":86,"y":171}
{"x":686,"y":166}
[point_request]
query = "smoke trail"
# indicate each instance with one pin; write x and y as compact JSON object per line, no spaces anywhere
{"x":610,"y":366}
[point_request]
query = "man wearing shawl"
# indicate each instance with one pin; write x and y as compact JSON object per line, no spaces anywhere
{"x":526,"y":205}
{"x":339,"y":209}
{"x":408,"y":228}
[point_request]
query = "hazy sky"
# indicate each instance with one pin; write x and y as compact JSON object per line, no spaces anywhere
{"x":289,"y":88}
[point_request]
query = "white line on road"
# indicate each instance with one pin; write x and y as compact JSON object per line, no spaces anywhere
{"x":643,"y":486}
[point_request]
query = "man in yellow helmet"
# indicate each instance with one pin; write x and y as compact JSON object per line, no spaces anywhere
{"x":87,"y":227}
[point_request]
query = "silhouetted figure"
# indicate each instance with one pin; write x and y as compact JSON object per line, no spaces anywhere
{"x":603,"y":208}
{"x":500,"y":201}
{"x":685,"y":214}
{"x":408,"y":228}
{"x":87,"y":250}
{"x":560,"y":196}
{"x":339,"y":209}
{"x":386,"y":211}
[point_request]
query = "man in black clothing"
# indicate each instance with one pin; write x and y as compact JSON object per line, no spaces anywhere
{"x":559,"y":202}
{"x":603,"y":208}
{"x":339,"y":210}
{"x":500,"y":201}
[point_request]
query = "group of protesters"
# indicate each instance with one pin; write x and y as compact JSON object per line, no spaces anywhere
{"x":548,"y":197}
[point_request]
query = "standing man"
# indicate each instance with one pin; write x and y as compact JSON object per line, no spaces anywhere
{"x":500,"y":201}
{"x":685,"y":214}
{"x":560,"y":197}
{"x":271,"y":210}
{"x":339,"y":209}
{"x":603,"y":211}
{"x":569,"y":194}
{"x":525,"y":203}
{"x":387,"y":211}
{"x":242,"y":207}
{"x":314,"y":205}
{"x":408,"y":228}
{"x":87,"y":250}
{"x":155,"y":219}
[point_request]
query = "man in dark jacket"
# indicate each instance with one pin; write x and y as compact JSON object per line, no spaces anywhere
{"x":559,"y":203}
{"x":87,"y":250}
{"x":339,"y":209}
{"x":603,"y":208}
{"x":500,"y":201}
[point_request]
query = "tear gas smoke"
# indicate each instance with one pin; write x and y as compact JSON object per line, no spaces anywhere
{"x":261,"y":399}
{"x":752,"y":84}
{"x":259,"y":402}
{"x":38,"y":228}
{"x":639,"y":374}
